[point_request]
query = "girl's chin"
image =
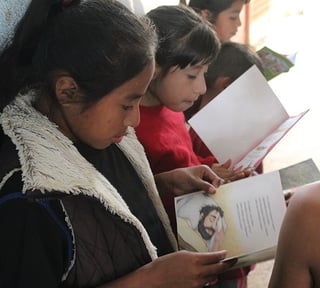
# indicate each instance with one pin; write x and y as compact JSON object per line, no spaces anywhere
{"x":187,"y":105}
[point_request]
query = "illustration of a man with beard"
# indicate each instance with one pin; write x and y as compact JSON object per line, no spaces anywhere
{"x":200,"y":223}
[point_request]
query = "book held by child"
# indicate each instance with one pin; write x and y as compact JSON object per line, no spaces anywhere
{"x":243,"y":217}
{"x":244,"y":122}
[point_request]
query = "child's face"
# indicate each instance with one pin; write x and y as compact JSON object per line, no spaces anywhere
{"x":180,"y":88}
{"x":228,"y":21}
{"x":106,"y":121}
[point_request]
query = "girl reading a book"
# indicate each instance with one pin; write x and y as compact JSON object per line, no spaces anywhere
{"x":186,"y":47}
{"x":79,"y":205}
{"x":222,"y":15}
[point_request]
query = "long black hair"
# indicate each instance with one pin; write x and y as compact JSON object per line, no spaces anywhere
{"x":184,"y":38}
{"x":101,"y":44}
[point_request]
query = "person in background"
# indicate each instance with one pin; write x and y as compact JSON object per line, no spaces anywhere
{"x":297,"y":258}
{"x":177,"y":83}
{"x":79,"y":205}
{"x":222,"y":15}
{"x":186,"y":47}
{"x":232,"y":61}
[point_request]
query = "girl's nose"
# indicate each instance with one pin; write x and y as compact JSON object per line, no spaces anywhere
{"x":201,"y":87}
{"x":133,"y":118}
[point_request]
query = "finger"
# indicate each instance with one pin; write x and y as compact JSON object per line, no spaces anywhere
{"x":217,"y":181}
{"x":207,"y":258}
{"x":208,"y":187}
{"x":212,"y":270}
{"x":227,"y":164}
{"x":250,"y":172}
{"x":211,"y":177}
{"x":237,"y":176}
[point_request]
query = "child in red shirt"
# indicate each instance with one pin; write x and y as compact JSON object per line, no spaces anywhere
{"x":186,"y":47}
{"x":232,"y":61}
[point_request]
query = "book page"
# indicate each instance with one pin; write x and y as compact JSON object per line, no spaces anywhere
{"x":254,"y":257}
{"x":255,"y":156}
{"x":243,"y":217}
{"x":240,"y":117}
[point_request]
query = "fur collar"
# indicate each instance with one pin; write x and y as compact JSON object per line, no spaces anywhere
{"x":50,"y":162}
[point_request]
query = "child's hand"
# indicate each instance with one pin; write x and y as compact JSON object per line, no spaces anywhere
{"x":227,"y":174}
{"x":186,"y":180}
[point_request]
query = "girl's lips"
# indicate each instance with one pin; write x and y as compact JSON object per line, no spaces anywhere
{"x":190,"y":103}
{"x":117,"y":139}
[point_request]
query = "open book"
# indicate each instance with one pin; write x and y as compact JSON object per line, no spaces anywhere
{"x":274,"y":63}
{"x":244,"y":122}
{"x":243,"y":217}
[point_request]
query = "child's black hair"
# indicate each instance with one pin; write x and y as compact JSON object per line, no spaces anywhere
{"x":184,"y":38}
{"x":101,"y":44}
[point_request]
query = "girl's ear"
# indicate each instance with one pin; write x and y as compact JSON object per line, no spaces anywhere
{"x":222,"y":82}
{"x":66,"y":90}
{"x":206,"y":14}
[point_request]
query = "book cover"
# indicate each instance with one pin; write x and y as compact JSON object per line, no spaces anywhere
{"x":244,"y":122}
{"x":243,"y":217}
{"x":273,"y":63}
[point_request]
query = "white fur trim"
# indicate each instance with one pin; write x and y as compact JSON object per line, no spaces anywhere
{"x":142,"y":166}
{"x":50,"y":162}
{"x":67,"y":220}
{"x":6,"y":177}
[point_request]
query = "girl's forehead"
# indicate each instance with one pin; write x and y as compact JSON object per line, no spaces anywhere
{"x":199,"y":65}
{"x":11,"y":12}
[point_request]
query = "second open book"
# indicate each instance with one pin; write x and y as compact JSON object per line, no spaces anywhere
{"x":244,"y":122}
{"x":243,"y":217}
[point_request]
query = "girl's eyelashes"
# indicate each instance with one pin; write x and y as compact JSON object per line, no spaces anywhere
{"x":127,"y":107}
{"x":192,"y":76}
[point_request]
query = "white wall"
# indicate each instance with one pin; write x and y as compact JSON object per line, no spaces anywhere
{"x":151,"y":4}
{"x":143,"y":6}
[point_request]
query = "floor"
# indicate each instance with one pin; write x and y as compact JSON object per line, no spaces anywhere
{"x":297,"y":90}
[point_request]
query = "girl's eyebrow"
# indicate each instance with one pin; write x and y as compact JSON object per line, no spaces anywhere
{"x":134,"y":96}
{"x":236,"y":11}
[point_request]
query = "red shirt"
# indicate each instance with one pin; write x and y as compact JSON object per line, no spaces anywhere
{"x":166,"y":140}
